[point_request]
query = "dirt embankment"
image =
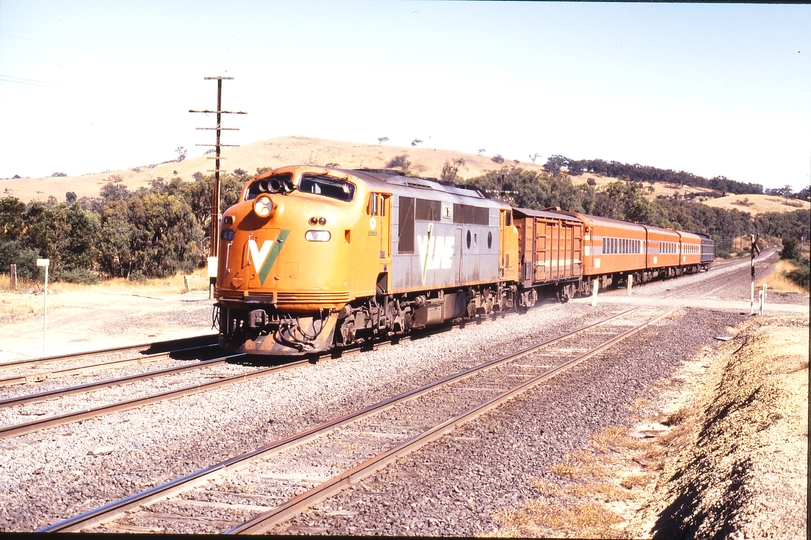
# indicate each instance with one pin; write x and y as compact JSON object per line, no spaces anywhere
{"x":743,"y":437}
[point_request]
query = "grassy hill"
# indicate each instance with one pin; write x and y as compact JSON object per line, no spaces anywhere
{"x":291,"y":150}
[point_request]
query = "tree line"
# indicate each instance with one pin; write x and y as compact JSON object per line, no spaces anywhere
{"x":148,"y":233}
{"x":625,"y":200}
{"x":644,"y":173}
{"x":163,"y":229}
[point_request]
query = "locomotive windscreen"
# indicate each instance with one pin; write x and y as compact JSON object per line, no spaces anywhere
{"x":328,"y":186}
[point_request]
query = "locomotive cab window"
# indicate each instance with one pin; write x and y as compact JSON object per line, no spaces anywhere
{"x":327,"y":186}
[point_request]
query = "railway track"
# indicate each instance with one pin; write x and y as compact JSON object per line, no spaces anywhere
{"x":276,"y":481}
{"x":94,"y":361}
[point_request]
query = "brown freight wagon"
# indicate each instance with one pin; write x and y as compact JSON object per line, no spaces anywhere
{"x":550,"y":253}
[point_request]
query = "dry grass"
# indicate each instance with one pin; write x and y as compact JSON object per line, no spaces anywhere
{"x":777,"y":280}
{"x":27,"y":300}
{"x":757,"y":204}
{"x":172,"y":285}
{"x":249,"y":156}
{"x":544,"y":519}
{"x":615,"y":439}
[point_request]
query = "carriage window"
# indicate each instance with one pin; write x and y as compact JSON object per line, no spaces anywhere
{"x":327,"y":186}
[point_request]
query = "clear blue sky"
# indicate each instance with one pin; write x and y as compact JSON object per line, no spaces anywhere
{"x":87,"y":86}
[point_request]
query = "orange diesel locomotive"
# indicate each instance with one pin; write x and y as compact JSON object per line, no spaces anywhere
{"x":313,"y":258}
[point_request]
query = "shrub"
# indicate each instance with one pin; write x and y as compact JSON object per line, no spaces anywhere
{"x":399,"y":162}
{"x":791,"y":249}
{"x":802,"y":274}
{"x":13,"y":252}
{"x":79,"y":275}
{"x":137,"y":275}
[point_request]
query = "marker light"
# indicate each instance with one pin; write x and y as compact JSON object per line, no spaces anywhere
{"x":263,"y":206}
{"x":317,"y":236}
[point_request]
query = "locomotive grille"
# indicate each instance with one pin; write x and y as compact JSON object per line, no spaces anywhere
{"x":313,"y":297}
{"x":229,"y":295}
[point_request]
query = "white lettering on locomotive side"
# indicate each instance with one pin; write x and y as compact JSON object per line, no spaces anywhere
{"x":436,"y":251}
{"x":258,"y":255}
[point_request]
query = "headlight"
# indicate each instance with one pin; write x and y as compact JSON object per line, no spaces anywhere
{"x":317,"y":236}
{"x":263,"y":206}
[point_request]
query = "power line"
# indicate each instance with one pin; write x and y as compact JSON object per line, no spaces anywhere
{"x":29,"y":82}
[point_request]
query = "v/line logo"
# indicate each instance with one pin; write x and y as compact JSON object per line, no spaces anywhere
{"x":263,"y":258}
{"x":435,"y":252}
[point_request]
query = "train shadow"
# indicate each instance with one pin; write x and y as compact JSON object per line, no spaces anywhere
{"x":261,"y":360}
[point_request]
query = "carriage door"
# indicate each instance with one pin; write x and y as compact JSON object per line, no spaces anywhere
{"x":541,"y":260}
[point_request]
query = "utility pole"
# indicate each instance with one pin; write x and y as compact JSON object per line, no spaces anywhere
{"x":213,"y":247}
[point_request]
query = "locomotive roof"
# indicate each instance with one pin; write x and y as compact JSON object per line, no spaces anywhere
{"x":394,"y":181}
{"x":395,"y":178}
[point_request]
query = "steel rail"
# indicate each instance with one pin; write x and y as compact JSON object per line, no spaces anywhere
{"x":81,"y":388}
{"x":116,"y":509}
{"x":55,"y":421}
{"x":56,"y":358}
{"x":86,"y":368}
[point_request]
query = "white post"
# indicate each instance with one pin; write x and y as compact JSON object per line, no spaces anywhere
{"x":594,"y":293}
{"x":752,"y":299}
{"x":45,"y":263}
{"x":630,"y":283}
{"x":212,"y":276}
{"x":760,"y":310}
{"x":764,"y":292}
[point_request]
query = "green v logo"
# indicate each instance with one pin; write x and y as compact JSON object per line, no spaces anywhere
{"x":265,"y":257}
